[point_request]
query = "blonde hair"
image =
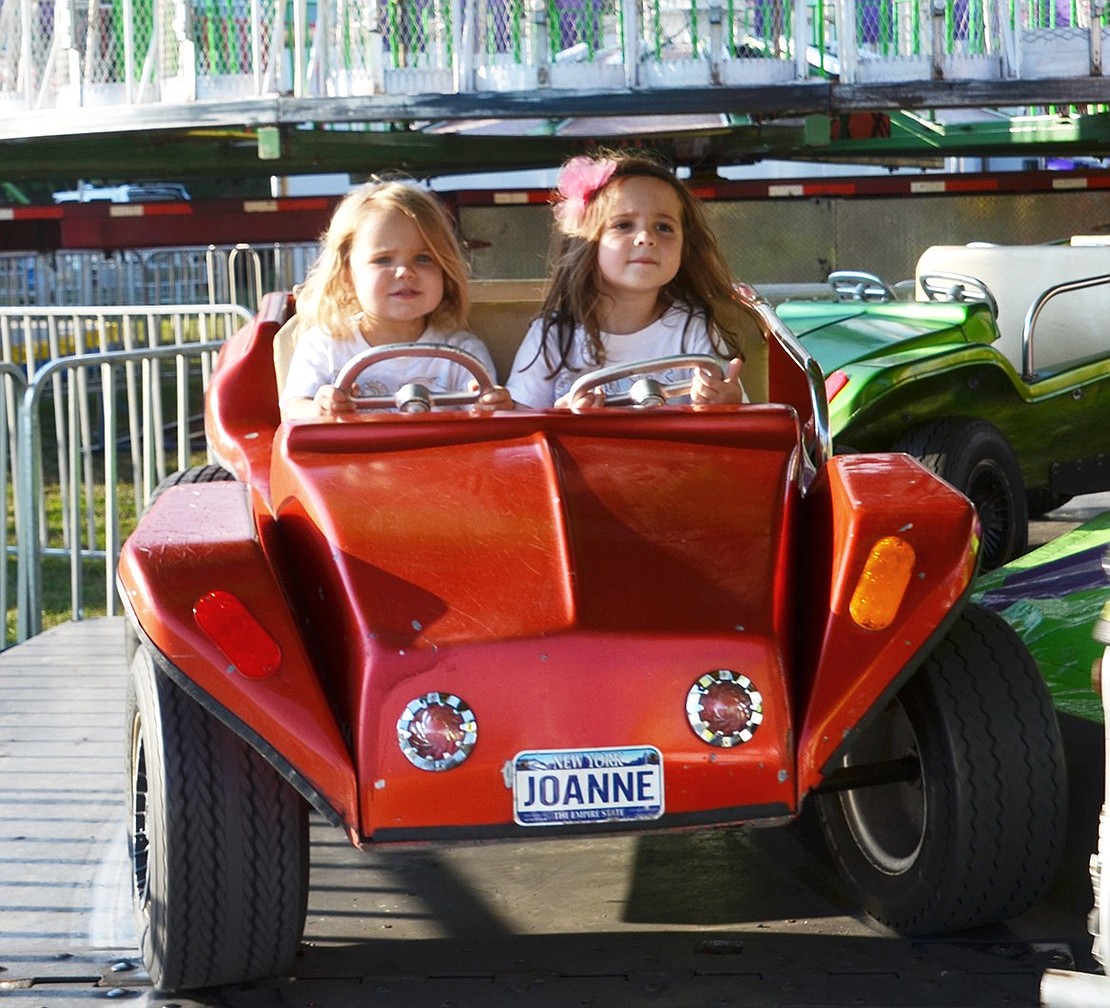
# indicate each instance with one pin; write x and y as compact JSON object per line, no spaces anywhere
{"x":703,"y":283}
{"x":327,"y":297}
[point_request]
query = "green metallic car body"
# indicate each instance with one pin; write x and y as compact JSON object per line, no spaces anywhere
{"x":929,"y":378}
{"x":1053,"y":597}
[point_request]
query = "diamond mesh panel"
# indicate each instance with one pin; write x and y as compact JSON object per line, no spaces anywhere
{"x":221,"y":32}
{"x":417,"y":34}
{"x":11,"y":48}
{"x":893,"y":27}
{"x":584,"y":28}
{"x":169,"y":57}
{"x":759,"y":28}
{"x":98,"y":36}
{"x":504,"y":29}
{"x":1056,"y":14}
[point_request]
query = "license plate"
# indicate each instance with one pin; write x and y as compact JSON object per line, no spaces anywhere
{"x":561,"y":787}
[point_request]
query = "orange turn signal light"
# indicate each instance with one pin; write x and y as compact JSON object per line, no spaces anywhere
{"x":882,"y":584}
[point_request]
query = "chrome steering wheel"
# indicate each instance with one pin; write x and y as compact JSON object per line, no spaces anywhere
{"x":957,"y":287}
{"x":413,"y":397}
{"x":646,"y":390}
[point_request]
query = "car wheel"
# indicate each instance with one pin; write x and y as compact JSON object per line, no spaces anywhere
{"x":218,"y":843}
{"x":976,"y":837}
{"x":1042,"y":500}
{"x":197,"y":474}
{"x":977,"y":460}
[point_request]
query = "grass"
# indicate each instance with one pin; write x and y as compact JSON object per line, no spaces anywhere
{"x":56,"y":593}
{"x":55,"y":571}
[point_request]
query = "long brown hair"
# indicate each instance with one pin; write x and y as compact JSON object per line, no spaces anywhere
{"x":703,"y":284}
{"x":327,"y":298}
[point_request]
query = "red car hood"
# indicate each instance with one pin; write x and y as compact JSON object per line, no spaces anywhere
{"x":531,"y":524}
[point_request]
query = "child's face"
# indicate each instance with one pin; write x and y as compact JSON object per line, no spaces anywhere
{"x":396,"y":278}
{"x":640,"y":248}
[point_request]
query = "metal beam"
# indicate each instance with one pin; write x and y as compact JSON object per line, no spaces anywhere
{"x":450,"y":147}
{"x":777,"y":100}
{"x":437,"y":145}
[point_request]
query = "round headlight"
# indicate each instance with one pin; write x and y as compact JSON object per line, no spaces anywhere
{"x":436,"y":731}
{"x":724,"y":708}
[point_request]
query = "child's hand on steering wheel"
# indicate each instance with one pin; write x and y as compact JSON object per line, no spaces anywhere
{"x":331,"y":401}
{"x":495,"y":398}
{"x":708,"y":387}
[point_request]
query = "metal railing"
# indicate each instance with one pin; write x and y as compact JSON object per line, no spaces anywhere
{"x":87,"y":435}
{"x":195,"y":275}
{"x":1029,"y":371}
{"x":67,"y":55}
{"x":14,"y":383}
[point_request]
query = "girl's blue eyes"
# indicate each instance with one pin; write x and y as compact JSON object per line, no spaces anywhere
{"x":420,"y":260}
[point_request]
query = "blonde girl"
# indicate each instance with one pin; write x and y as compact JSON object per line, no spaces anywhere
{"x":390,"y":270}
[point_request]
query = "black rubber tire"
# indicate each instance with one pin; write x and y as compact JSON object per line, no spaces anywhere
{"x":1039,"y":502}
{"x":130,"y":640}
{"x":975,"y":457}
{"x":218,"y":843}
{"x":211,"y":473}
{"x":978,"y":837}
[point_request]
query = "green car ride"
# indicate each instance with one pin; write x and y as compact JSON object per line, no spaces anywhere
{"x":1053,"y":597}
{"x":990,"y":377}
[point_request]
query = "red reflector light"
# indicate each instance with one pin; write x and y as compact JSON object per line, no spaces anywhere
{"x":436,"y":731}
{"x":242,"y":640}
{"x":724,"y":708}
{"x":834,"y":383}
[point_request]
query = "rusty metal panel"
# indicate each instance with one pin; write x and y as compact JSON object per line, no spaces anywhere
{"x":508,"y":242}
{"x":801,"y":240}
{"x":776,"y":241}
{"x":886,"y":236}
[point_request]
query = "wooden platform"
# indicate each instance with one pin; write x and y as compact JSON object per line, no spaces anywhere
{"x":727,"y":917}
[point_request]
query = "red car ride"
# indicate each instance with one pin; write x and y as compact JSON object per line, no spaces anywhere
{"x":451,"y":625}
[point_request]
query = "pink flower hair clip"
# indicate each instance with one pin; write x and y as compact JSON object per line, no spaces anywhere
{"x":579,"y":180}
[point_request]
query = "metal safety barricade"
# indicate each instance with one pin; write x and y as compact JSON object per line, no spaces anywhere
{"x":192,"y":275}
{"x":14,"y":386}
{"x":95,"y":432}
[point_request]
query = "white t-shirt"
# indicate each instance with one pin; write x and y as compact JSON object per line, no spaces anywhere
{"x":318,"y":358}
{"x":529,"y":383}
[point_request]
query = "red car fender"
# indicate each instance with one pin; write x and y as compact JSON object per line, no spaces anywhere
{"x":200,"y":539}
{"x":850,"y":668}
